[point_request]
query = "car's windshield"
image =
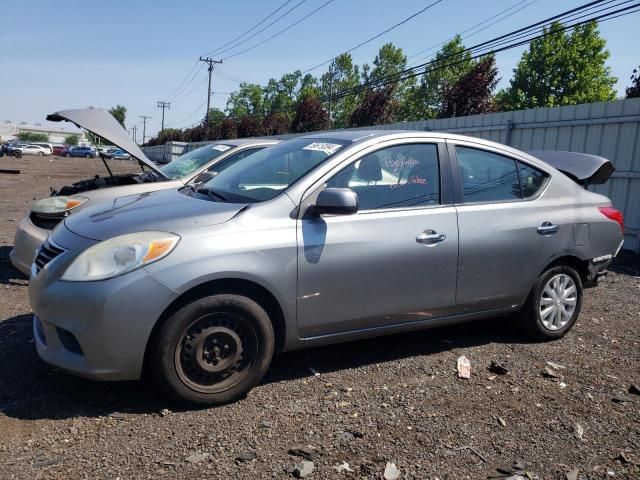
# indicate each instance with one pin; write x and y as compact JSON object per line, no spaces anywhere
{"x":265,"y":174}
{"x":193,"y":160}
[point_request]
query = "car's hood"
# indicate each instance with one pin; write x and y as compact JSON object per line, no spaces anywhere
{"x":163,"y":210}
{"x":581,"y":167}
{"x":102,"y":123}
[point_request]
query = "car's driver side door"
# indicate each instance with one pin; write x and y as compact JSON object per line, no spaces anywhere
{"x":395,"y":260}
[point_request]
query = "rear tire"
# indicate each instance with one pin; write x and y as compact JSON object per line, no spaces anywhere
{"x":553,"y":305}
{"x":213,"y":350}
{"x":40,"y":154}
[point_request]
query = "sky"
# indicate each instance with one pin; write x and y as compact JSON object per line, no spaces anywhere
{"x":64,"y":54}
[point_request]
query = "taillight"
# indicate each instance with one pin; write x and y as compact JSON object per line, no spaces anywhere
{"x":613,"y":214}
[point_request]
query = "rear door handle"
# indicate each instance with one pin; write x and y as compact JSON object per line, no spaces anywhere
{"x":548,"y":228}
{"x":430,"y":237}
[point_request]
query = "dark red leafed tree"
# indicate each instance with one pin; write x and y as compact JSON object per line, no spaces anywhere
{"x":229,"y":129}
{"x":473,"y":92}
{"x":276,"y":124}
{"x":310,"y":116}
{"x":249,"y":126}
{"x":377,"y":107}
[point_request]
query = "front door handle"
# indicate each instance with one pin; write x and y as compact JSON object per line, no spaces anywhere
{"x":548,"y":228}
{"x":430,"y":237}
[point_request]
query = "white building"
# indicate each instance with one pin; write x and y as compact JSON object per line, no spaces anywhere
{"x":10,"y":130}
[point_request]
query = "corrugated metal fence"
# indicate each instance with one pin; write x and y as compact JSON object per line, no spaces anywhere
{"x":609,"y":129}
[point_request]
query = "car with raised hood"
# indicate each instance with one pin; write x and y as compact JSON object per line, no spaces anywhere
{"x":320,"y":239}
{"x":192,"y":167}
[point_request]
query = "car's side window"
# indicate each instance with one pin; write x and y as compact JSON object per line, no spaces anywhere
{"x":394,"y":177}
{"x":487,"y":176}
{"x":531,"y":179}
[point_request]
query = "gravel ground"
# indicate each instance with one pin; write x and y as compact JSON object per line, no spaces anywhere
{"x":369,"y":403}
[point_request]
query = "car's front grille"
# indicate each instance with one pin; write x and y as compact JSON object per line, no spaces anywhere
{"x":46,"y":253}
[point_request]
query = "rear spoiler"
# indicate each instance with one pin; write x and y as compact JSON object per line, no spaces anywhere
{"x":582,"y":168}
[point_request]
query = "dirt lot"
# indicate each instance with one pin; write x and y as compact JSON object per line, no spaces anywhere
{"x":394,"y":399}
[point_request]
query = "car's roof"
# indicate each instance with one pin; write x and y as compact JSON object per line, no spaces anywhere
{"x":239,"y":142}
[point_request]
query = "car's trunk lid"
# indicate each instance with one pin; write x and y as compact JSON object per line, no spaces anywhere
{"x":583,"y":168}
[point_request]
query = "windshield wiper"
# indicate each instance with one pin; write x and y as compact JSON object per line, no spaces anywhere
{"x":211,"y":193}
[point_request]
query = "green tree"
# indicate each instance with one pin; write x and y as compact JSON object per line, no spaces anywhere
{"x":389,"y":61}
{"x":32,"y":137}
{"x":561,"y":68}
{"x":248,"y":100}
{"x":451,"y":62}
{"x":120,"y":113}
{"x":71,"y":139}
{"x":216,"y":117}
{"x":634,"y":90}
{"x":309,"y":87}
{"x":342,"y":74}
{"x":279,"y":95}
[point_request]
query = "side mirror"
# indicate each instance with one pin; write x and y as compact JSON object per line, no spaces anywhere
{"x":336,"y":201}
{"x":205,"y":176}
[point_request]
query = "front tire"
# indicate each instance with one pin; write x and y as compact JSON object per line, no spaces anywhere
{"x":40,"y":154}
{"x":554,"y":304}
{"x":213,"y":350}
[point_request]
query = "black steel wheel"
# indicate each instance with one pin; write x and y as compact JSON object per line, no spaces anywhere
{"x":213,"y":350}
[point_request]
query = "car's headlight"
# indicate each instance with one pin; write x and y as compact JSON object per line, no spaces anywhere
{"x":58,"y":204}
{"x":120,"y":255}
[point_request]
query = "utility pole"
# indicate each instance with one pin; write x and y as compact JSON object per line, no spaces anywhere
{"x":135,"y":131}
{"x":210,"y":62}
{"x":144,"y":125}
{"x":330,"y":90}
{"x":163,"y":105}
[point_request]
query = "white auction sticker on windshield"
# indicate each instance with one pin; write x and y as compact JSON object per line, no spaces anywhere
{"x":328,"y":148}
{"x":221,"y":148}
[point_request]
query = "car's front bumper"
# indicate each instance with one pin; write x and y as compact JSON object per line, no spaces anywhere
{"x":96,"y":330}
{"x":28,"y":238}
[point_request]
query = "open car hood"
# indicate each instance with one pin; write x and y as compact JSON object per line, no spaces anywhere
{"x":583,"y":168}
{"x":100,"y":122}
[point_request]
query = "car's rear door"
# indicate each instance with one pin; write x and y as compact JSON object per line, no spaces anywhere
{"x":508,"y":230}
{"x":392,"y":262}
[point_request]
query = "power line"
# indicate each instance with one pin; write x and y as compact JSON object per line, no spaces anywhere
{"x":478,"y":25}
{"x":211,"y":62}
{"x":180,"y":91}
{"x":220,"y":50}
{"x":410,"y":17}
{"x":163,"y":106}
{"x":256,"y":45}
{"x":144,"y":125}
{"x":189,"y":117}
{"x":488,"y":47}
{"x":195,"y":64}
{"x":190,"y":92}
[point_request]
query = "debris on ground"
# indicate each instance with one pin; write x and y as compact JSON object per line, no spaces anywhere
{"x":197,"y":457}
{"x":622,"y":398}
{"x":248,"y":456}
{"x":578,"y":430}
{"x":556,"y":366}
{"x":517,"y":472}
{"x":301,"y":469}
{"x":314,"y":372}
{"x":498,"y":368}
{"x":343,"y":467}
{"x":464,"y":367}
{"x":501,"y":421}
{"x":572,"y":475}
{"x":307,"y":452}
{"x":164,"y":412}
{"x":391,"y":472}
{"x":550,"y":373}
{"x":634,"y":390}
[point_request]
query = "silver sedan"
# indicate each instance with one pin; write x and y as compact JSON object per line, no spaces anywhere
{"x":317,"y":240}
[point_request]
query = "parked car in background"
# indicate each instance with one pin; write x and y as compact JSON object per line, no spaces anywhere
{"x":88,"y":152}
{"x":118,"y":154}
{"x":60,"y":150}
{"x":189,"y":169}
{"x":45,"y":145}
{"x":32,"y":149}
{"x":320,"y":239}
